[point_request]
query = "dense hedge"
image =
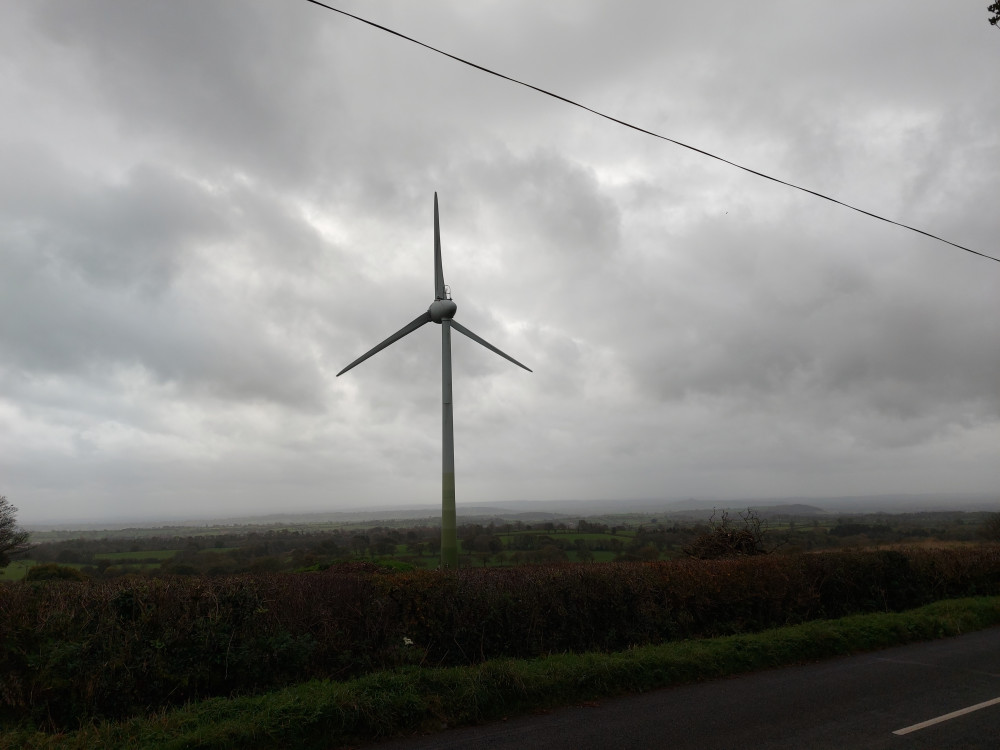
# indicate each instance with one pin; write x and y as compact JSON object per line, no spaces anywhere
{"x":73,"y":651}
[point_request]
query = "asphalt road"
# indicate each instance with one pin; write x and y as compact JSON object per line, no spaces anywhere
{"x":869,"y":701}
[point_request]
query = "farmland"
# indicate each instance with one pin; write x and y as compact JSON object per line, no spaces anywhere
{"x":224,"y":550}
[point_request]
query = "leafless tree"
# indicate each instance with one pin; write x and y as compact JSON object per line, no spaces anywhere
{"x":12,"y":539}
{"x":731,"y":538}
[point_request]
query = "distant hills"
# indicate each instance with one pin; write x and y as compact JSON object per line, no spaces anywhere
{"x":531,"y":511}
{"x":793,"y":506}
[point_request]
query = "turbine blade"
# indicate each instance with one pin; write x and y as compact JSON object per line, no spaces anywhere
{"x":462,"y":329}
{"x":408,"y":328}
{"x":439,"y":290}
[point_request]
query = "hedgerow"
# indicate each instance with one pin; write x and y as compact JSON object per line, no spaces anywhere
{"x":72,"y":652}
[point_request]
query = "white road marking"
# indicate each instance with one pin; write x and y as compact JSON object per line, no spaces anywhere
{"x":946,"y":717}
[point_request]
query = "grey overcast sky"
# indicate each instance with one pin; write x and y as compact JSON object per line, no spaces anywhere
{"x":209,"y":207}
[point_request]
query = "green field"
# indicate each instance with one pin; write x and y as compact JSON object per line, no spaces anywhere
{"x":155,"y":554}
{"x":191,"y":550}
{"x":16,"y":571}
{"x":571,"y":536}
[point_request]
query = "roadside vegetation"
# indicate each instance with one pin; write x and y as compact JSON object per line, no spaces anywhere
{"x":299,"y":635}
{"x":326,"y":714}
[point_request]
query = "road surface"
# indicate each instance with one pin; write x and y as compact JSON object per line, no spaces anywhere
{"x":940,"y":695}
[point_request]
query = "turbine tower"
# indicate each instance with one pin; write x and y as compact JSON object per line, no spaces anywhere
{"x":441,"y":311}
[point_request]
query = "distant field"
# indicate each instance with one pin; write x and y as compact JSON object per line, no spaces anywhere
{"x":16,"y":570}
{"x":571,"y":535}
{"x":155,"y":554}
{"x":601,"y":556}
{"x":486,"y":542}
{"x":927,"y":544}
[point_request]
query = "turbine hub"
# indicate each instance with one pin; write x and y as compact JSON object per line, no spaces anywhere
{"x":442,"y":309}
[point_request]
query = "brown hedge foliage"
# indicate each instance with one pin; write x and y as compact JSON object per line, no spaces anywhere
{"x":71,"y":652}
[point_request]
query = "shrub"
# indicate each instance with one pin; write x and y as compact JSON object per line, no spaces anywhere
{"x":73,"y":651}
{"x":53,"y":572}
{"x":729,"y":538}
{"x":990,"y":529}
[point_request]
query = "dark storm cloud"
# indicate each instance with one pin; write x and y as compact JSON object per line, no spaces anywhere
{"x":825,"y":340}
{"x":99,"y":275}
{"x":226,"y":86}
{"x":130,"y":233}
{"x":555,"y":197}
{"x":208,"y":209}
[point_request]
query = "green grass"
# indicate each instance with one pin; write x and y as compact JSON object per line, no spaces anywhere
{"x":321,"y":714}
{"x":16,"y":570}
{"x":603,"y":556}
{"x":570,"y":536}
{"x":592,"y":536}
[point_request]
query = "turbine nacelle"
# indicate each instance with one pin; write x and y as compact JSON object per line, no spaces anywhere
{"x":442,"y":309}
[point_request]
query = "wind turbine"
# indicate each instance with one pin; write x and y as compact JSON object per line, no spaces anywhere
{"x":441,"y":311}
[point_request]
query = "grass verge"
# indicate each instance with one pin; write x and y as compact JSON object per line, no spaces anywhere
{"x":321,"y":714}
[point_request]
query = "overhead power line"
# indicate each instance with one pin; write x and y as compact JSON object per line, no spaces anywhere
{"x":629,"y":125}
